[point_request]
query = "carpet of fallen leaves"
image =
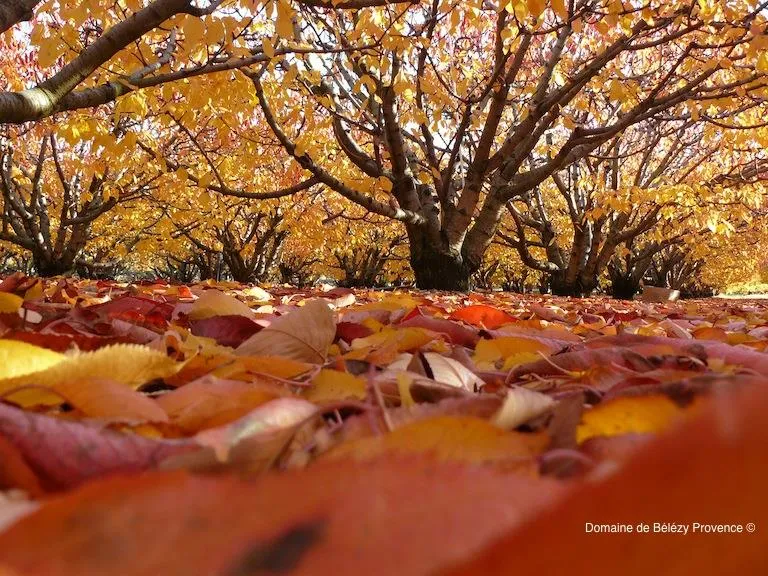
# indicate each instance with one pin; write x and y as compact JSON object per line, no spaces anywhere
{"x":227,"y":429}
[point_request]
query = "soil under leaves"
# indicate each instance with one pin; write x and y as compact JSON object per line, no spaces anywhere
{"x":228,"y":429}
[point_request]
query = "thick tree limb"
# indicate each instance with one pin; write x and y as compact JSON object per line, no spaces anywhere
{"x":14,"y":11}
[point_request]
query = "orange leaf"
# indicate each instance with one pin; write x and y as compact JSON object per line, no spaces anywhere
{"x":404,"y":517}
{"x":483,"y":316}
{"x":210,"y":402}
{"x":710,"y":333}
{"x":110,"y":400}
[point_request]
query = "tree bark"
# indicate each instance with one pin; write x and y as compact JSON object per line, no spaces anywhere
{"x":436,"y":267}
{"x":46,"y":267}
{"x":14,"y":11}
{"x":578,"y":287}
{"x":624,"y":287}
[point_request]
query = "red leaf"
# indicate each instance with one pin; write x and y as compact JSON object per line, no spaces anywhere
{"x":133,"y":306}
{"x":348,"y":331}
{"x":64,"y":453}
{"x":230,"y":330}
{"x":14,"y":471}
{"x":483,"y":316}
{"x":457,"y":333}
{"x":64,"y":342}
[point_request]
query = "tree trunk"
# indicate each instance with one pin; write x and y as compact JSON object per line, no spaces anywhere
{"x":579,"y":287}
{"x":437,"y":268}
{"x":47,"y":268}
{"x":624,"y":286}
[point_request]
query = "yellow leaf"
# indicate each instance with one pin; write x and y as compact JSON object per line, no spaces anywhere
{"x":284,"y":24}
{"x":394,"y":302}
{"x":127,"y":364}
{"x":625,"y":415}
{"x":385,"y":184}
{"x":403,"y":339}
{"x":331,"y":385}
{"x":521,"y":405}
{"x":268,"y":48}
{"x":217,"y":303}
{"x":19,"y":358}
{"x":10,"y":303}
{"x":453,"y":438}
{"x":258,"y":294}
{"x":559,"y":7}
{"x":194,"y":31}
{"x":404,"y":381}
{"x":518,"y":349}
{"x":34,"y":292}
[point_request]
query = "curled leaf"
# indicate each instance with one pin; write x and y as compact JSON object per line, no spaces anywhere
{"x":521,"y":405}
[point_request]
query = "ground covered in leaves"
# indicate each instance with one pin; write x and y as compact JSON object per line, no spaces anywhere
{"x":226,"y":429}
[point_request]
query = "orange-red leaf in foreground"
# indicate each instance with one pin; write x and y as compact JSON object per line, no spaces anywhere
{"x":403,"y":517}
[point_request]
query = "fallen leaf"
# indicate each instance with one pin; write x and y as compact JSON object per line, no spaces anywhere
{"x":19,"y":358}
{"x":64,"y":454}
{"x":510,"y":350}
{"x":216,"y":303}
{"x":451,"y":372}
{"x":10,"y":303}
{"x":108,"y":400}
{"x":449,"y":438}
{"x":332,"y":385}
{"x":126,"y":364}
{"x":398,"y":339}
{"x":483,"y":316}
{"x":276,"y":414}
{"x":210,"y":402}
{"x":404,"y":517}
{"x":231,"y":330}
{"x":710,"y":471}
{"x":521,"y":405}
{"x":629,"y":414}
{"x":305,"y":334}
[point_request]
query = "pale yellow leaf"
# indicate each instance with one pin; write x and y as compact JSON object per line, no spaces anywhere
{"x":217,"y":303}
{"x":521,"y":405}
{"x":128,"y":364}
{"x":452,"y":372}
{"x":19,"y":358}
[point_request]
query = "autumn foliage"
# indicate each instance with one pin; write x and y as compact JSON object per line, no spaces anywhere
{"x":403,"y":432}
{"x":249,"y":261}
